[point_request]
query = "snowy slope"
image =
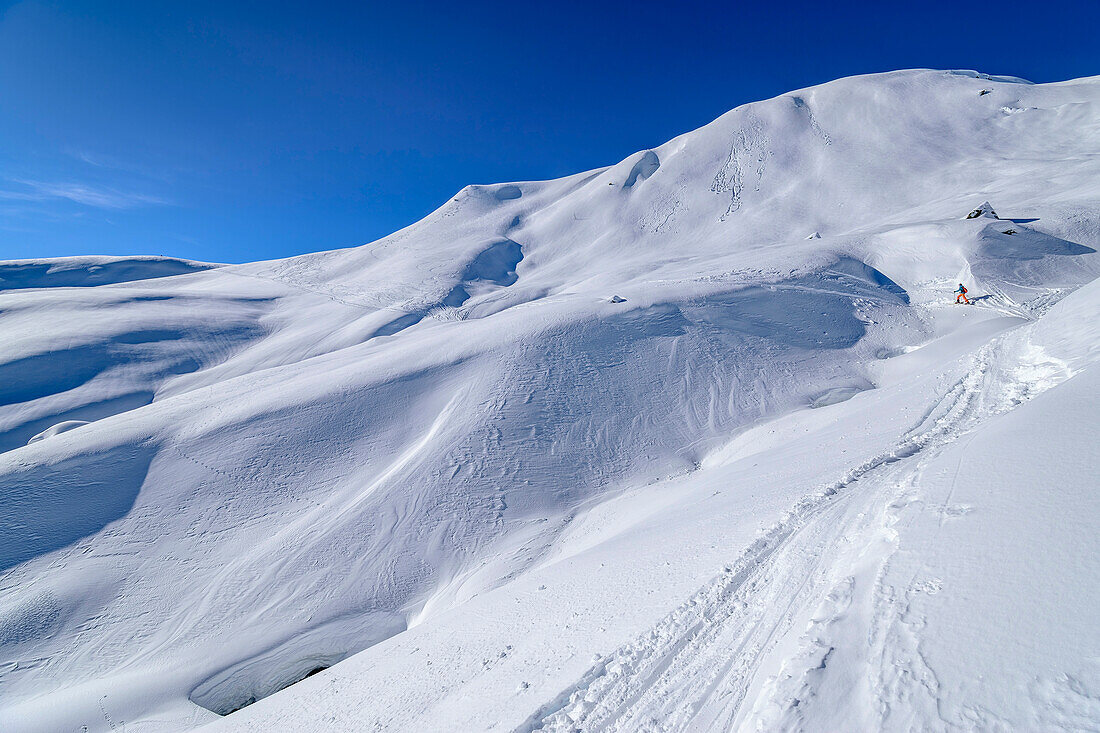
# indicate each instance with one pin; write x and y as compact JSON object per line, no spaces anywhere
{"x":783,"y":484}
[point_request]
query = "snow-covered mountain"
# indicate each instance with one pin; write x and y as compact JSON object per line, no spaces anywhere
{"x":698,"y":441}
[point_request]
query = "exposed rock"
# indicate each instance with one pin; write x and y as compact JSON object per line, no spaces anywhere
{"x":984,"y":210}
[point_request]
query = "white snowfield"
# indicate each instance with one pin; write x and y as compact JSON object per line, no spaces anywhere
{"x":699,"y":441}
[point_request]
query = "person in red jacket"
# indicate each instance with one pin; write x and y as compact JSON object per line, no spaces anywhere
{"x":960,"y":295}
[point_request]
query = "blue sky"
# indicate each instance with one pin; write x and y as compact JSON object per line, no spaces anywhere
{"x":233,"y":131}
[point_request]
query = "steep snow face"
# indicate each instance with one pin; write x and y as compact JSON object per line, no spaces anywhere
{"x":455,"y":450}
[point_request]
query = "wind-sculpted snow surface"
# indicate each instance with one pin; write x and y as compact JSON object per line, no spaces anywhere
{"x":83,"y":272}
{"x":445,"y":481}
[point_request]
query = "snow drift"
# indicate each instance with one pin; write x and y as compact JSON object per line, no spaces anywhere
{"x":695,"y":441}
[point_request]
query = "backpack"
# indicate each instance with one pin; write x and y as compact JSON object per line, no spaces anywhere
{"x":962,"y":290}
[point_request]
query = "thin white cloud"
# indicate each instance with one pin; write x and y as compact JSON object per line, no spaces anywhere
{"x":99,"y":161}
{"x":81,"y":193}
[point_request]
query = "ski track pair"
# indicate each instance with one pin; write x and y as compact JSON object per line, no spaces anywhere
{"x":700,"y":668}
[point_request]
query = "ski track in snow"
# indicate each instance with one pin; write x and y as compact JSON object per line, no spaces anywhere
{"x":699,"y":667}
